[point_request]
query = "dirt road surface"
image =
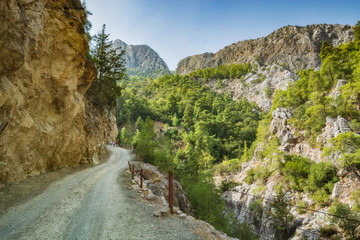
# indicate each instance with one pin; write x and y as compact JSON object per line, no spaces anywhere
{"x":94,"y":203}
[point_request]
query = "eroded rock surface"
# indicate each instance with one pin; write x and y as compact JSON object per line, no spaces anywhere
{"x":257,"y":86}
{"x":156,"y":184}
{"x":45,"y":123}
{"x":296,"y":47}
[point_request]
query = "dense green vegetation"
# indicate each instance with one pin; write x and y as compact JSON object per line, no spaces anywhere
{"x":310,"y":100}
{"x":202,"y":128}
{"x":309,"y":96}
{"x":206,"y":133}
{"x":222,"y":72}
{"x":317,"y":179}
{"x":350,"y":218}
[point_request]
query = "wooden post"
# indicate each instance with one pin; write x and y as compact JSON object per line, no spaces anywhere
{"x":132,"y":172}
{"x":171,"y":192}
{"x":129,"y":166}
{"x":141,"y":178}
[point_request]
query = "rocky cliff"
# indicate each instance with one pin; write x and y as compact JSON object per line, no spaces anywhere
{"x":257,"y":86}
{"x":294,"y":47}
{"x":142,"y":59}
{"x":307,"y":222}
{"x":45,"y":122}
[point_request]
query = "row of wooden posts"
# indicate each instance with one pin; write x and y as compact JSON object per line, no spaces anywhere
{"x":171,"y":184}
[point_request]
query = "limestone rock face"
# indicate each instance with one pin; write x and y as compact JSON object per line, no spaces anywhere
{"x":334,"y":127}
{"x":45,"y":123}
{"x":257,"y":86}
{"x":143,"y":59}
{"x":298,"y":145}
{"x":296,"y":47}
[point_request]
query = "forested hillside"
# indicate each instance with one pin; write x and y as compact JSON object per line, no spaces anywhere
{"x":303,"y":153}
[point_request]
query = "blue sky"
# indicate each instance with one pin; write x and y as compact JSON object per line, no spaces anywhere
{"x":180,"y":28}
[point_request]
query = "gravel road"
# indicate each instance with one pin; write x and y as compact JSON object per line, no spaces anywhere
{"x":91,"y":204}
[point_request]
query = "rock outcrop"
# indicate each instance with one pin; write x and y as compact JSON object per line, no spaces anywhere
{"x":291,"y":144}
{"x":240,"y":198}
{"x":141,"y":59}
{"x":45,"y":123}
{"x":156,"y":189}
{"x":257,"y":86}
{"x":293,"y":46}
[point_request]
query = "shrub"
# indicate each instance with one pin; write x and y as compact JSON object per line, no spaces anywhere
{"x":327,"y":231}
{"x":262,"y":174}
{"x":242,"y":231}
{"x":268,"y":92}
{"x":322,"y":175}
{"x":228,"y":166}
{"x":296,"y":169}
{"x":282,"y":217}
{"x":250,"y":176}
{"x":172,"y":133}
{"x":227,"y":185}
{"x":355,"y":125}
{"x":316,"y":178}
{"x":259,"y":173}
{"x":301,"y":207}
{"x":257,"y":208}
{"x":346,"y":218}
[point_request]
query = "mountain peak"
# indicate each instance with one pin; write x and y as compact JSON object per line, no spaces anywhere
{"x":119,"y":43}
{"x":142,"y":59}
{"x":294,"y":47}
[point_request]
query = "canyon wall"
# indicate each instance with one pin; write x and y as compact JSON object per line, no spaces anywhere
{"x":45,"y":122}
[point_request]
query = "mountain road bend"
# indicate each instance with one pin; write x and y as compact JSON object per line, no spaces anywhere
{"x":94,"y":203}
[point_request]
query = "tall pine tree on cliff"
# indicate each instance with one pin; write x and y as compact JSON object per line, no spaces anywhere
{"x":110,"y":64}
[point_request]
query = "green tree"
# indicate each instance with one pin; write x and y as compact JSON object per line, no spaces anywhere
{"x":282,"y":218}
{"x":188,"y":115}
{"x":144,"y":141}
{"x":240,"y":230}
{"x":357,"y":31}
{"x":111,"y":68}
{"x":88,"y":24}
{"x":348,"y":144}
{"x":207,"y":201}
{"x":171,"y":104}
{"x":163,"y":155}
{"x":296,"y":169}
{"x":126,"y":136}
{"x":347,"y":219}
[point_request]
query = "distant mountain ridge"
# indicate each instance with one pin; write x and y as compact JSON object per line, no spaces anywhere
{"x":294,"y":47}
{"x":142,"y":59}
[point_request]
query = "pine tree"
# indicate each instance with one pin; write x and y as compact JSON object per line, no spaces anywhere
{"x":357,"y":31}
{"x":88,"y":24}
{"x":282,"y":217}
{"x":111,"y":68}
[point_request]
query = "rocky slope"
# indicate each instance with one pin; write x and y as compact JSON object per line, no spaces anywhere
{"x":155,"y":191}
{"x":308,"y":223}
{"x":142,"y":59}
{"x":257,"y":86}
{"x":45,"y":122}
{"x":294,"y":46}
